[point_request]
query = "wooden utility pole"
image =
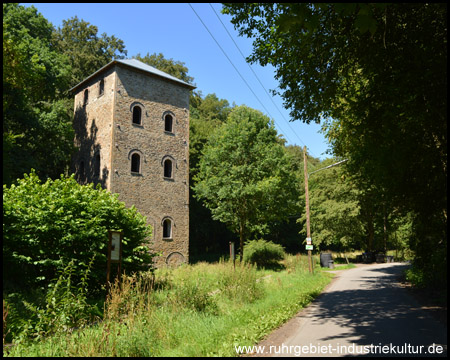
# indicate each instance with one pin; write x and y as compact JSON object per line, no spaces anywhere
{"x":308,"y":230}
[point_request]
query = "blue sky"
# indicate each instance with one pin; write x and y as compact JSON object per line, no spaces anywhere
{"x":175,"y":30}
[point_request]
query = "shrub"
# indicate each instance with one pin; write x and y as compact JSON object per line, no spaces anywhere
{"x":64,"y":308}
{"x":240,"y":283}
{"x":191,"y":291}
{"x":46,"y":225}
{"x":191,"y":295}
{"x":263,"y":253}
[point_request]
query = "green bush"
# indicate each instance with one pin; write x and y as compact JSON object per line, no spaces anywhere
{"x":263,"y":253}
{"x":63,"y":308}
{"x":240,"y":283}
{"x":192,"y":295}
{"x":47,"y":225}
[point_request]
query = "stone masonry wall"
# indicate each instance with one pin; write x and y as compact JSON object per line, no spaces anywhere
{"x":154,"y":196}
{"x":104,"y":126}
{"x":93,"y":130}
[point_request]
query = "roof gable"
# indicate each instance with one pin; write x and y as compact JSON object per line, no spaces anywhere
{"x":139,"y":65}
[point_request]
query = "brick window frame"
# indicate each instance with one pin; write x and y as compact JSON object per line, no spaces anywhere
{"x":137,"y":114}
{"x":85,"y":97}
{"x":101,"y":87}
{"x":167,"y":224}
{"x":136,"y":158}
{"x":168,"y":173}
{"x":169,"y":122}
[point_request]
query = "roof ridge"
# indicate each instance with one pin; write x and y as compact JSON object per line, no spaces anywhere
{"x":137,"y":64}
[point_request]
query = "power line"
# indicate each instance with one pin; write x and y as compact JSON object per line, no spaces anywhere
{"x":329,"y":166}
{"x":270,"y":97}
{"x":234,"y":66}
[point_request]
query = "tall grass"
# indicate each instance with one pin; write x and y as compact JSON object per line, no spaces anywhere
{"x":196,"y":310}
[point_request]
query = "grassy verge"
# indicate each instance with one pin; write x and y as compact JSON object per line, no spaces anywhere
{"x":340,"y":267}
{"x":198,"y":310}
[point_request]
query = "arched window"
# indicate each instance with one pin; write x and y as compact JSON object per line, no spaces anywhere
{"x":167,"y":229}
{"x":101,"y":88}
{"x":97,"y":165}
{"x":86,"y":96}
{"x":168,"y":123}
{"x":168,"y":168}
{"x":135,"y":163}
{"x":81,"y":171}
{"x":137,"y":115}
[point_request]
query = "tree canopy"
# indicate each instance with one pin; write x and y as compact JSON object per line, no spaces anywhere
{"x":40,"y":64}
{"x":169,"y":66}
{"x":334,"y":209}
{"x":37,"y":129}
{"x":47,"y":224}
{"x":375,"y":75}
{"x":87,"y":52}
{"x":245,"y":176}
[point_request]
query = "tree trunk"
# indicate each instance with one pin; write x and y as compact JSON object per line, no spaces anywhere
{"x":371,"y":233}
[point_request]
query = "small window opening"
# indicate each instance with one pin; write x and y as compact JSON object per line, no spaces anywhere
{"x":137,"y":112}
{"x":168,"y":123}
{"x":81,"y":171}
{"x":101,"y":87}
{"x":97,"y":165}
{"x":168,"y":168}
{"x":167,"y":229}
{"x":135,"y":163}
{"x":86,"y":96}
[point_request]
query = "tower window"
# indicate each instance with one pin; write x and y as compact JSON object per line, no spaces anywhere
{"x":86,"y":96}
{"x":97,"y":165}
{"x":101,"y":88}
{"x":81,"y":172}
{"x":135,"y":163}
{"x":168,"y":123}
{"x":168,"y":168}
{"x":137,"y":114}
{"x":167,"y":229}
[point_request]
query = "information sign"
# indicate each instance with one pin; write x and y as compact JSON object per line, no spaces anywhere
{"x":115,"y":246}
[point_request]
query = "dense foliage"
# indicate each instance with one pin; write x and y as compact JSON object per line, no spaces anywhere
{"x":376,"y":74}
{"x":40,"y":65}
{"x":47,"y":225}
{"x":37,"y":129}
{"x":245,"y":176}
{"x":334,"y":210}
{"x":391,"y":192}
{"x":86,"y":51}
{"x":263,"y":253}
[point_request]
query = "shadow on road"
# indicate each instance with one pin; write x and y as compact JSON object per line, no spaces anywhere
{"x":379,"y":312}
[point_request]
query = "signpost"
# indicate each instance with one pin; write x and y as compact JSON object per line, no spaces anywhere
{"x":114,"y":253}
{"x":232,"y":254}
{"x":308,"y":230}
{"x":309,"y":245}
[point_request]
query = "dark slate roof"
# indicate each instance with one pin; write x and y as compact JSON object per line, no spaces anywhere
{"x":137,"y":65}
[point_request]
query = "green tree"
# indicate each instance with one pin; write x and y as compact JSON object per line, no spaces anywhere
{"x":36,"y":126}
{"x":212,"y":237}
{"x":208,"y":114}
{"x":46,"y":225}
{"x":245,"y":177}
{"x":169,"y":66}
{"x":334,"y":210}
{"x":377,"y":74}
{"x":86,"y":50}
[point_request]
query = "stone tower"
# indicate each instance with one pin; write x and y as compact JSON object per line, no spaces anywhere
{"x":131,"y":126}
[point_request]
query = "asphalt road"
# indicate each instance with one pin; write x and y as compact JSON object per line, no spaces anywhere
{"x":363,"y":312}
